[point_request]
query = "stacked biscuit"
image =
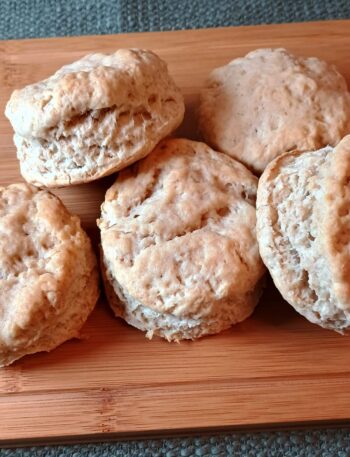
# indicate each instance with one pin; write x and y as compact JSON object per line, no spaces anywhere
{"x":179,"y":245}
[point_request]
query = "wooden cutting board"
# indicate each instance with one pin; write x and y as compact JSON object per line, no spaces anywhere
{"x":273,"y":369}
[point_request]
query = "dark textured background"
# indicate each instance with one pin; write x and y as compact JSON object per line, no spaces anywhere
{"x":42,"y":18}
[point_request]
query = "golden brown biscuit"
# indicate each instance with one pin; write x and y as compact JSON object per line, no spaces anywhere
{"x":270,"y":102}
{"x":48,"y":273}
{"x":178,"y":238}
{"x":303,"y":219}
{"x":93,"y":117}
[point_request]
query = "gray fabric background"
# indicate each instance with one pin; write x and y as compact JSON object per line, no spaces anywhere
{"x":41,"y":18}
{"x":326,"y":443}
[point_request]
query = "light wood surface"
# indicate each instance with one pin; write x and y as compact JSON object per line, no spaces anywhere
{"x":273,"y":369}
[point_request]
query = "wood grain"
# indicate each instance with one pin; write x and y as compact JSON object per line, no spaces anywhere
{"x":275,"y":368}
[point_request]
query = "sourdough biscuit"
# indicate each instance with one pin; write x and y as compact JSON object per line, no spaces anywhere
{"x":270,"y":102}
{"x":178,"y":238}
{"x":303,"y":219}
{"x":48,"y":273}
{"x":93,"y":117}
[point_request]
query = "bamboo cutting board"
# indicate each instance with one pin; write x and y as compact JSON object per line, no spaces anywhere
{"x":273,"y":369}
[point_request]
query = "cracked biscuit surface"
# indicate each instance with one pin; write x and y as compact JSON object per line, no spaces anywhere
{"x":270,"y":102}
{"x":180,"y":255}
{"x":93,"y":117}
{"x":48,"y":273}
{"x":303,"y":219}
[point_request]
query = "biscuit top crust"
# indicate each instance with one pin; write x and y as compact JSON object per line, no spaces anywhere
{"x":270,"y":102}
{"x":336,"y":223}
{"x":43,"y":251}
{"x":178,"y":230}
{"x":94,"y":82}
